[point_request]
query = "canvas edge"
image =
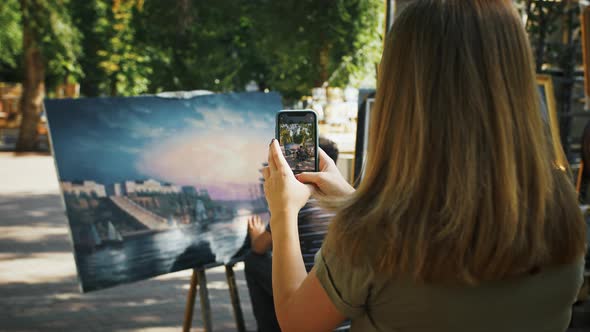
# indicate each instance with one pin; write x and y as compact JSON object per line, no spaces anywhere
{"x":63,"y":201}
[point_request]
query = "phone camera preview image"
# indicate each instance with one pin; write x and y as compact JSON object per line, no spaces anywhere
{"x":297,"y":138}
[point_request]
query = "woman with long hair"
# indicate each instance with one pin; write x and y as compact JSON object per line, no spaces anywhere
{"x":463,"y":221}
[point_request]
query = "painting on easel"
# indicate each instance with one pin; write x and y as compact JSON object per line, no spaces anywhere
{"x":155,"y":185}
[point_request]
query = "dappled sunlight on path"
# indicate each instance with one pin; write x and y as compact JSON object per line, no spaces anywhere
{"x":38,"y":282}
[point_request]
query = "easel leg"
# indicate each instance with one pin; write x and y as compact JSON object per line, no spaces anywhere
{"x":235,"y":298}
{"x":205,"y":305}
{"x":190,"y":303}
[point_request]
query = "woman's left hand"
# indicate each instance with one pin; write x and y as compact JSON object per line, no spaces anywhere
{"x":284,"y":193}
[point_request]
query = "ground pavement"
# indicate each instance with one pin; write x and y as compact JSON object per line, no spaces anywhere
{"x":38,"y":286}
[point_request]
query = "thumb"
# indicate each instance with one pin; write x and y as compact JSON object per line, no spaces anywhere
{"x":309,"y":177}
{"x":278,"y":157}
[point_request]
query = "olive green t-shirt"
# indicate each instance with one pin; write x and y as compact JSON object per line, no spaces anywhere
{"x":538,"y":303}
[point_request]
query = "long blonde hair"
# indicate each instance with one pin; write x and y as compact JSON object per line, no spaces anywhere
{"x":460,"y":182}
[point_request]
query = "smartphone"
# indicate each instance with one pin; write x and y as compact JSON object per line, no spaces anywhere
{"x":297,"y":133}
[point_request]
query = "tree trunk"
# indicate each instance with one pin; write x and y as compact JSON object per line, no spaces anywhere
{"x":324,"y":62}
{"x":33,"y":88}
{"x":114,"y":85}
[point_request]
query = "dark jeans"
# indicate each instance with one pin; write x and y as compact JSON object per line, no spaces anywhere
{"x":258,"y":270}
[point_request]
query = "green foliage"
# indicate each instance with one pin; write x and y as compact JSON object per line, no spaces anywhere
{"x":363,"y":28}
{"x":127,"y":47}
{"x":111,"y":54}
{"x":309,"y":42}
{"x":551,"y":26}
{"x":11,"y":36}
{"x":121,"y":60}
{"x":86,"y":15}
{"x":288,"y":46}
{"x":53,"y":33}
{"x":199,"y":44}
{"x":304,"y":133}
{"x":296,"y":133}
{"x":285,"y":135}
{"x":56,"y":36}
{"x":365,"y":18}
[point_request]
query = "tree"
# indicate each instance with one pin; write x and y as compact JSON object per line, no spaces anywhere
{"x":289,"y":46}
{"x":551,"y":27}
{"x":111,"y":51}
{"x":129,"y":48}
{"x":286,"y":135}
{"x":122,"y":61}
{"x":50,"y":44}
{"x":11,"y":41}
{"x":306,"y":43}
{"x":199,"y":44}
{"x":85,"y":17}
{"x":366,"y":18}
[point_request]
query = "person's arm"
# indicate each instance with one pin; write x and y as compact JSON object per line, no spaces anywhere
{"x":301,"y":303}
{"x":262,"y":243}
{"x":260,"y":238}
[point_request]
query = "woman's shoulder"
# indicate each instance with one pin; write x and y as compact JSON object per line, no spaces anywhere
{"x":567,"y":278}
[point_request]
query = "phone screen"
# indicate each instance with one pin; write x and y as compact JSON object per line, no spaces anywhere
{"x":297,"y":135}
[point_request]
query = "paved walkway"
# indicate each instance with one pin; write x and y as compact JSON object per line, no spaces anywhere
{"x":38,"y":286}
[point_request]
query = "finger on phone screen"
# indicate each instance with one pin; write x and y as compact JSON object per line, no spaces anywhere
{"x":271,"y":161}
{"x":278,"y":158}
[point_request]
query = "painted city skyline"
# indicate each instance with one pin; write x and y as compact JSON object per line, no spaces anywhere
{"x":193,"y":144}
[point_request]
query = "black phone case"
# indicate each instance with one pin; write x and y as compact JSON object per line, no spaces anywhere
{"x":316,"y":131}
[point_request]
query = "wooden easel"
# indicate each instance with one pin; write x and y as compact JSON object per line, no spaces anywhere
{"x":199,"y":278}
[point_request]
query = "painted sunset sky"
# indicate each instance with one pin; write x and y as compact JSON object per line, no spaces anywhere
{"x":216,"y":141}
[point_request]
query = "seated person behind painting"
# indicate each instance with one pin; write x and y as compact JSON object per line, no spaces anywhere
{"x":258,"y":262}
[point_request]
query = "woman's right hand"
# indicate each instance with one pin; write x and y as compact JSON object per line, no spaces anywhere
{"x":328,"y":181}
